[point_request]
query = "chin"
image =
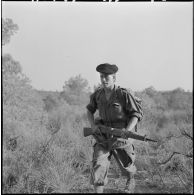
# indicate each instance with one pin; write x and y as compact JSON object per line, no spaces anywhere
{"x":106,"y":86}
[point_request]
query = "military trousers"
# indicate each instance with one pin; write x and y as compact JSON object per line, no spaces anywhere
{"x":122,"y":151}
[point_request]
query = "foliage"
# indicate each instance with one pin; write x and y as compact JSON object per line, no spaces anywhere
{"x":76,"y":91}
{"x":44,"y":150}
{"x":8,"y":29}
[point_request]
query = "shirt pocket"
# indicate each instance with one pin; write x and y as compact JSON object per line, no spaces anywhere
{"x":117,"y":107}
{"x":101,"y":108}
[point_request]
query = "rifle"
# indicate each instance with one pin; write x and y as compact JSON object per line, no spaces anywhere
{"x":116,"y":132}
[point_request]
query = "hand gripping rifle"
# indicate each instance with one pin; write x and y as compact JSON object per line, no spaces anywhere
{"x":117,"y":133}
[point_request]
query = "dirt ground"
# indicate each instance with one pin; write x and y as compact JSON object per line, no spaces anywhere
{"x":116,"y":184}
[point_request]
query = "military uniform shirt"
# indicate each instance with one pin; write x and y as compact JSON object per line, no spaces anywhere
{"x":117,"y":111}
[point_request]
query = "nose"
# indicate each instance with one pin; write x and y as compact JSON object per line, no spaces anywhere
{"x":103,"y":79}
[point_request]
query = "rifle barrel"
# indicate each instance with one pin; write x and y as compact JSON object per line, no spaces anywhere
{"x":150,"y":140}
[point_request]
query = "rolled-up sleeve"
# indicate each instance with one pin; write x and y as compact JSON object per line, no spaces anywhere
{"x":92,"y":106}
{"x":133,"y":106}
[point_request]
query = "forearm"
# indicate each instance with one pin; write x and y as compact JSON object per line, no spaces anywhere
{"x":90,"y":117}
{"x":132,"y":122}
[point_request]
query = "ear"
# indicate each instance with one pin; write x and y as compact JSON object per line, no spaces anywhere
{"x":114,"y":77}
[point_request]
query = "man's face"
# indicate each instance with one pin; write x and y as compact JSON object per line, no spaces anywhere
{"x":107,"y":80}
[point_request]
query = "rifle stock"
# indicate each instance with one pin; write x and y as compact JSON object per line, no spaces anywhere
{"x":117,"y":132}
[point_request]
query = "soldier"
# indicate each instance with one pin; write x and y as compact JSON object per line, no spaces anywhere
{"x":117,"y":108}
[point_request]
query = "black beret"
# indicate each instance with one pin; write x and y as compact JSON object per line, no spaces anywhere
{"x":107,"y":68}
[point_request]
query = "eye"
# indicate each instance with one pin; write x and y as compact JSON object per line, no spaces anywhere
{"x":116,"y":104}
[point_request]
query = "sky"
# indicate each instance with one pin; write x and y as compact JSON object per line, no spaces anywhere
{"x":150,"y":42}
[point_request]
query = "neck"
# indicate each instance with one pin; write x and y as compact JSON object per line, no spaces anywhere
{"x":108,"y":90}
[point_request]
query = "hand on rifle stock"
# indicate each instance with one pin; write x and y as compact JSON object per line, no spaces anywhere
{"x":113,"y":131}
{"x":102,"y":129}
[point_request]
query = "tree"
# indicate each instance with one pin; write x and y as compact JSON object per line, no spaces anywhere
{"x":23,"y":118}
{"x":179,"y":99}
{"x":76,"y":85}
{"x":10,"y":66}
{"x":8,"y":29}
{"x":75,"y":90}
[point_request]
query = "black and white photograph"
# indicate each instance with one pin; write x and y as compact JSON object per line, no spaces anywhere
{"x":97,"y":97}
